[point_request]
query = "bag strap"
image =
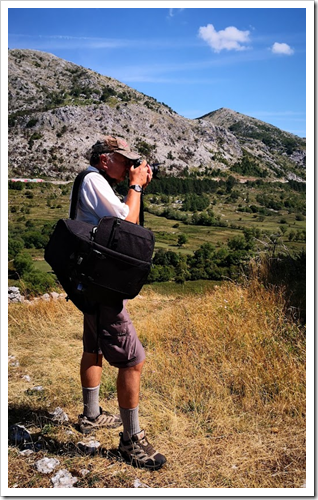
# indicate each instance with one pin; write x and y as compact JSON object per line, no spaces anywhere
{"x":76,"y":192}
{"x":141,"y":212}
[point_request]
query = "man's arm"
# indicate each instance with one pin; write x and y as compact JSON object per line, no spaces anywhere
{"x":142,"y":176}
{"x":133,"y":201}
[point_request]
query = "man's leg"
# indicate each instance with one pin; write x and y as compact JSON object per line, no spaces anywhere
{"x":93,"y":417}
{"x":91,"y":372}
{"x":128,"y":388}
{"x":133,"y":445}
{"x":91,"y":367}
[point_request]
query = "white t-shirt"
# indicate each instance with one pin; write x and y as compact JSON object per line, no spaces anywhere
{"x":97,"y":199}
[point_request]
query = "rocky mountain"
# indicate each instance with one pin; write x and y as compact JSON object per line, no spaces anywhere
{"x":58,"y":109}
{"x":275,"y":148}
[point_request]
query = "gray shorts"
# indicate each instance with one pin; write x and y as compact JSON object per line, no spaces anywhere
{"x":117,"y":339}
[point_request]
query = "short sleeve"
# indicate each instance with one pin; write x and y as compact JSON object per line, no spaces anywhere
{"x":98,"y":198}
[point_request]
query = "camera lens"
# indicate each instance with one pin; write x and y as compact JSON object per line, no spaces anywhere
{"x":154,"y":167}
{"x":155,"y":170}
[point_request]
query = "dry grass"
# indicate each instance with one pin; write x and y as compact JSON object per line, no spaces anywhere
{"x":223,"y":391}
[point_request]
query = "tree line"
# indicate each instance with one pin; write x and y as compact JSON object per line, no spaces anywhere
{"x":207,"y":262}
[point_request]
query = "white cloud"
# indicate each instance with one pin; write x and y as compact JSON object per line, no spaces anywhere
{"x":229,"y":39}
{"x":172,"y":12}
{"x":282,"y":48}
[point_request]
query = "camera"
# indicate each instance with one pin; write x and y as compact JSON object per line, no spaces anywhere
{"x":154,"y":167}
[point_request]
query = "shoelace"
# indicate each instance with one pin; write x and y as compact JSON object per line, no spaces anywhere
{"x":147,"y":447}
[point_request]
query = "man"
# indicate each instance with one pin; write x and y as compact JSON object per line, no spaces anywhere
{"x":111,"y":162}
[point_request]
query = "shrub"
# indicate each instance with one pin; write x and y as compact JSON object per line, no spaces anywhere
{"x":124,"y":96}
{"x":32,"y":122}
{"x":62,"y":131}
{"x":145,"y":149}
{"x":170,"y":156}
{"x":300,"y":217}
{"x":23,"y":263}
{"x":37,"y":282}
{"x":237,"y":243}
{"x":15,"y":246}
{"x":164,"y":273}
{"x":35,"y":239}
{"x":107,"y":92}
{"x":29,"y":194}
{"x":35,"y":136}
{"x":247,"y":166}
{"x":182,"y":239}
{"x":18,"y":186}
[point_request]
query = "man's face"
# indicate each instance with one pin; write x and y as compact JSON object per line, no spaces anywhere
{"x":118,"y":166}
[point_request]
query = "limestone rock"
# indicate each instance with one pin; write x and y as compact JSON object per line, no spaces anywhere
{"x":89,"y":447}
{"x":14,"y":295}
{"x":59,"y":415}
{"x":63,"y":479}
{"x":46,"y":465}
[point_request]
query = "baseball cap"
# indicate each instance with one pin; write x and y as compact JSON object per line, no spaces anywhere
{"x":114,"y":145}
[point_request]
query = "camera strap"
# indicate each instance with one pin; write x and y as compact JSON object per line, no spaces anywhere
{"x":141,"y":212}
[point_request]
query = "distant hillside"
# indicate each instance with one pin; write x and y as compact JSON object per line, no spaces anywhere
{"x":58,"y":109}
{"x":270,"y":144}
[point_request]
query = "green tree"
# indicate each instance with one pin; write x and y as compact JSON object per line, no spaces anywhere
{"x":182,"y":273}
{"x":182,"y":239}
{"x":230,"y":183}
{"x":237,"y":243}
{"x":34,"y":239}
{"x":291,"y":235}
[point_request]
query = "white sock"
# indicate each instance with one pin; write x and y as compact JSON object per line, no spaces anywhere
{"x":130,"y":419}
{"x":91,"y":401}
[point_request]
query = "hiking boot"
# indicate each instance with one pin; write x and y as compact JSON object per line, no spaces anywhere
{"x":139,"y":453}
{"x":104,"y":419}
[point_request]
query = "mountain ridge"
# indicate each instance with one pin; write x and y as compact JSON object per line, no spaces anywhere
{"x":58,"y":109}
{"x":223,"y":111}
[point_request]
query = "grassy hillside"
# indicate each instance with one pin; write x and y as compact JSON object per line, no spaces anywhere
{"x":222,"y":396}
{"x":272,"y":208}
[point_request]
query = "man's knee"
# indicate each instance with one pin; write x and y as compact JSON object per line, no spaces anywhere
{"x":133,"y":369}
{"x":90,"y":359}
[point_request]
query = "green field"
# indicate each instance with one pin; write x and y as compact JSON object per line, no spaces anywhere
{"x":280,"y":222}
{"x":37,"y":206}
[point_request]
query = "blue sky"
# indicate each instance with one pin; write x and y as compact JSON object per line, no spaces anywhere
{"x":195,"y":60}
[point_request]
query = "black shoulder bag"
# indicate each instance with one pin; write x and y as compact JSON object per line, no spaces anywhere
{"x":100,"y":264}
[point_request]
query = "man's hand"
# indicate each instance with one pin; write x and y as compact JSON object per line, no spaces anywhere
{"x":141,"y":175}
